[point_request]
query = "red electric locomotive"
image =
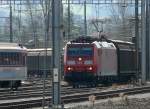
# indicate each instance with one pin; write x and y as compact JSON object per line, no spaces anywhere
{"x":91,"y":61}
{"x":79,"y":63}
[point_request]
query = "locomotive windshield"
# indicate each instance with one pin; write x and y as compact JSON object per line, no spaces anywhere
{"x":82,"y":51}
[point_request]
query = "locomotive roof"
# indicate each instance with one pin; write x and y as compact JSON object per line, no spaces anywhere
{"x":123,"y":42}
{"x":104,"y":44}
{"x":81,"y":40}
{"x":122,"y":45}
{"x":111,"y":41}
{"x":39,"y":52}
{"x":77,"y":43}
{"x":38,"y":49}
{"x":12,"y":46}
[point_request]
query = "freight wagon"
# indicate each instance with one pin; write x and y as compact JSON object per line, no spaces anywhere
{"x":36,"y":62}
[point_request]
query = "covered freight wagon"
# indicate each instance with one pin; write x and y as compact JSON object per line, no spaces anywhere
{"x":36,"y":62}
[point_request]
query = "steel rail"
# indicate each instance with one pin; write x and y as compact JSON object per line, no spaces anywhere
{"x":36,"y":102}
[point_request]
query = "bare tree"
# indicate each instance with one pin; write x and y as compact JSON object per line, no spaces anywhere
{"x":32,"y":22}
{"x":121,"y":27}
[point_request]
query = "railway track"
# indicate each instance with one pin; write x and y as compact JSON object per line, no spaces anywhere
{"x":69,"y":98}
{"x":38,"y":93}
{"x":33,"y":83}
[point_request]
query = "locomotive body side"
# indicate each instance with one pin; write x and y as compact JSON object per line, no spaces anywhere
{"x":108,"y":59}
{"x":97,"y":59}
{"x":107,"y":62}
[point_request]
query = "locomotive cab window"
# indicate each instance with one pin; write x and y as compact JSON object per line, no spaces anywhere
{"x":83,"y":51}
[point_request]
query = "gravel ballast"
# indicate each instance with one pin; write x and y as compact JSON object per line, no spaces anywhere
{"x":141,"y":101}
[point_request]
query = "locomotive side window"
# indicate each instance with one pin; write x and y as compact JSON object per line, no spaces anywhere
{"x":23,"y":59}
{"x":9,"y":58}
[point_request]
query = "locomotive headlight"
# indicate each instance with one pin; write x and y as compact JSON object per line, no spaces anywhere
{"x":80,"y":59}
{"x":69,"y":68}
{"x":90,"y":68}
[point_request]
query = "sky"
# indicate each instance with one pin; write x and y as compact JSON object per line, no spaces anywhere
{"x":4,"y":12}
{"x":101,"y":11}
{"x":78,"y":10}
{"x":91,"y":11}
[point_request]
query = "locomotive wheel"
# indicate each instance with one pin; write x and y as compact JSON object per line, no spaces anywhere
{"x":95,"y":84}
{"x":15,"y":84}
{"x":75,"y":85}
{"x":89,"y":84}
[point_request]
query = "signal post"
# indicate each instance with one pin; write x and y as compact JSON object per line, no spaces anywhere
{"x":56,"y":37}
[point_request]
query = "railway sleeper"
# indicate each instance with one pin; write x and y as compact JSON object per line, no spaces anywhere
{"x":108,"y":80}
{"x":84,"y":84}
